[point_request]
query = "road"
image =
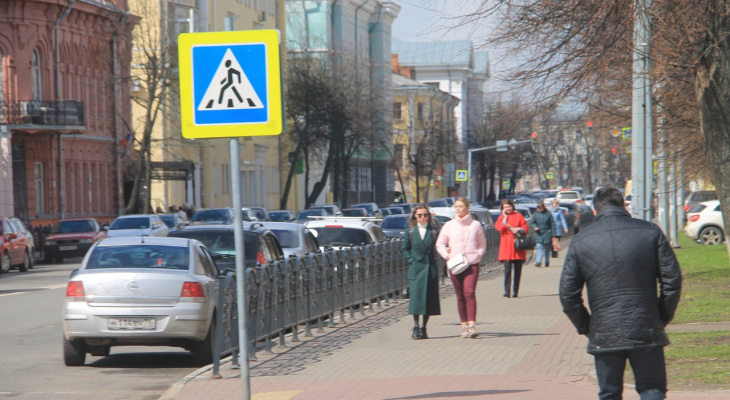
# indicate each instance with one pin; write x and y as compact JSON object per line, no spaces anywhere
{"x":31,"y":332}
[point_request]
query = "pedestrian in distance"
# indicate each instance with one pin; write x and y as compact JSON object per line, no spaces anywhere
{"x":633,"y":284}
{"x":544,"y":226}
{"x":509,"y":224}
{"x":419,"y":250}
{"x":464,"y":235}
{"x":561,"y":226}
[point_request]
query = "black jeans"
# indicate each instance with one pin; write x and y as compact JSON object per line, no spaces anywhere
{"x":508,"y":266}
{"x":649,"y":368}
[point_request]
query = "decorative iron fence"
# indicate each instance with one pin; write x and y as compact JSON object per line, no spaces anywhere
{"x":47,"y":113}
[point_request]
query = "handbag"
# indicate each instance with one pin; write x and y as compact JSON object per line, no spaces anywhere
{"x":457,"y":264}
{"x":524,"y":242}
{"x":554,"y":254}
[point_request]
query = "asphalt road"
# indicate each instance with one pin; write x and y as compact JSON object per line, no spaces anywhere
{"x":31,"y":334}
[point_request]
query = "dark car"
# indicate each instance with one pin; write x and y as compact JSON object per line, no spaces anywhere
{"x":222,"y":215}
{"x":259,"y":212}
{"x":372,"y":209}
{"x":331,"y":209}
{"x":355,"y":212}
{"x":71,"y":238}
{"x":282,"y":216}
{"x":260,"y":244}
{"x":304,"y":215}
{"x":394,"y":225}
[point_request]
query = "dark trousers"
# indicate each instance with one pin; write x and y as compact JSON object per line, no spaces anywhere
{"x":465,"y":288}
{"x":649,"y":369}
{"x":509,"y":265}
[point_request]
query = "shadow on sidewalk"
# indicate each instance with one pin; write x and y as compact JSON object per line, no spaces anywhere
{"x":442,"y":395}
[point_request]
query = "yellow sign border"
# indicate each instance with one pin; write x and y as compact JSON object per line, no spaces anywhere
{"x":466,"y":174}
{"x":271,"y":39}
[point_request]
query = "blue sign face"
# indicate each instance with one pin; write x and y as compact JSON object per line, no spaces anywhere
{"x":230,"y":84}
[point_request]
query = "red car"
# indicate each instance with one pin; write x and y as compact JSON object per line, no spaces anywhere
{"x":71,"y":238}
{"x":15,"y":248}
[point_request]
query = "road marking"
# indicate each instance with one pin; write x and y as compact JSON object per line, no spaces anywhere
{"x":10,"y":294}
{"x":55,"y":286}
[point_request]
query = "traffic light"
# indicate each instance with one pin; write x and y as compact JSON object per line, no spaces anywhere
{"x":436,"y":184}
{"x":590,"y":124}
{"x":534,"y":137}
{"x":613,"y":151}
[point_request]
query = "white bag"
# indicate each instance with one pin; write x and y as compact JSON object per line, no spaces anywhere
{"x":457,"y":264}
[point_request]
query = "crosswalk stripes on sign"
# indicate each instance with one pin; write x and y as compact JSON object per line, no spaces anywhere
{"x":230,"y":89}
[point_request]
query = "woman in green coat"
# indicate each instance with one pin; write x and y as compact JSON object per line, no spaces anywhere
{"x":544,"y":226}
{"x":419,"y":250}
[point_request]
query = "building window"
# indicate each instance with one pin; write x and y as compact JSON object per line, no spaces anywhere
{"x":398,"y":155}
{"x":36,"y":74}
{"x":420,"y":111}
{"x":40,"y":206}
{"x":397,"y":110}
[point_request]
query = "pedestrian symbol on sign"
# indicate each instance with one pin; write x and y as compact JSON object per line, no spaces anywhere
{"x":230,"y":89}
{"x":461,"y":175}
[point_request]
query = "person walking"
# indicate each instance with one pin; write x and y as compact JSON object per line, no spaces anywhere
{"x":419,"y":250}
{"x":509,"y":224}
{"x":544,"y":226}
{"x":464,"y":235}
{"x":561,"y":226}
{"x":623,"y":262}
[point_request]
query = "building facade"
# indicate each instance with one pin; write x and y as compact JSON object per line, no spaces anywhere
{"x":62,"y":65}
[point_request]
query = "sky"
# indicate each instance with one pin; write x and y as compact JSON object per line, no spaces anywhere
{"x":424,"y":21}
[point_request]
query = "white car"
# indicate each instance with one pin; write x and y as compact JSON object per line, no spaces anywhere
{"x":343,"y":232}
{"x":704,"y":223}
{"x":295,"y":239}
{"x":569,"y":196}
{"x":138,"y":225}
{"x":141,"y":291}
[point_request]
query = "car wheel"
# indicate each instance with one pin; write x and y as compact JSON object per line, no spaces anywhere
{"x":100,"y":351}
{"x":25,"y":265}
{"x":5,"y":263}
{"x":203,"y":352}
{"x":31,"y":260}
{"x":74,"y":352}
{"x":711,"y":235}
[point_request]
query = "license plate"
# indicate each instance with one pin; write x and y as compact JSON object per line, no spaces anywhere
{"x":67,"y":247}
{"x":131,"y":323}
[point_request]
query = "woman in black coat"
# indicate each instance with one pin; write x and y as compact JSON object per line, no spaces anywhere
{"x":544,"y":226}
{"x":419,"y":250}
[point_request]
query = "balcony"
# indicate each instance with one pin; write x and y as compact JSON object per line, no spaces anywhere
{"x":36,"y":115}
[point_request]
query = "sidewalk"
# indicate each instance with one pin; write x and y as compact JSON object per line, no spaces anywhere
{"x":527,"y":350}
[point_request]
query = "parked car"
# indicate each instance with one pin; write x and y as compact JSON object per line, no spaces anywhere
{"x":372,"y":209}
{"x":71,"y":238}
{"x":260,"y":244}
{"x":333,"y":232}
{"x":440,"y":203}
{"x":394,"y":225}
{"x":138,"y":225}
{"x":282,"y":216}
{"x":569,"y":196}
{"x":355,"y":212}
{"x":294,"y":239}
{"x":30,"y":240}
{"x":13,"y":247}
{"x":698,"y":197}
{"x":386,"y":212}
{"x":397,"y":210}
{"x":141,"y":291}
{"x":259,"y":212}
{"x":304,"y":215}
{"x":573,"y":213}
{"x":223,"y":215}
{"x":407,"y":207}
{"x":332,"y":210}
{"x":705,"y":224}
{"x":173,"y":221}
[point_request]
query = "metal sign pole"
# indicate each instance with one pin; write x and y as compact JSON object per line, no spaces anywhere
{"x":240,"y":271}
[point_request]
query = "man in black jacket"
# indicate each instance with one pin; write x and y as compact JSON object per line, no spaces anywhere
{"x":620,"y":259}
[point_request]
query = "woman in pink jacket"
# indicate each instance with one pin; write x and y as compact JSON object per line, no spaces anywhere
{"x":464,"y":235}
{"x":508,"y":224}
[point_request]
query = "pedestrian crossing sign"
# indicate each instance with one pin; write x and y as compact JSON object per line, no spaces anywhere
{"x":230,"y":84}
{"x":461,"y":175}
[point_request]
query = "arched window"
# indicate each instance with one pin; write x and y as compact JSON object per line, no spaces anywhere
{"x":36,"y":74}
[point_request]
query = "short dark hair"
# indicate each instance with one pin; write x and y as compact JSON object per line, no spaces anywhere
{"x":608,"y":196}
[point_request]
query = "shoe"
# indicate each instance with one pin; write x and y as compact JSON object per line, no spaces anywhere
{"x":464,"y":331}
{"x":423,"y":334}
{"x":472,"y":331}
{"x":547,"y":265}
{"x":416,"y":333}
{"x":514,"y":295}
{"x":506,"y":295}
{"x":538,"y":265}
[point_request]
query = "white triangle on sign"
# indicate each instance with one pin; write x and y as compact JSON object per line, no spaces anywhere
{"x":230,"y":88}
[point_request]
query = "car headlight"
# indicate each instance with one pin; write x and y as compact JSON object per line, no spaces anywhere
{"x":86,"y":241}
{"x":50,"y":242}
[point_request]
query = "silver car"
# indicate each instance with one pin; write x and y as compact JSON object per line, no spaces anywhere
{"x":295,"y":239}
{"x":138,"y":225}
{"x":141,"y":291}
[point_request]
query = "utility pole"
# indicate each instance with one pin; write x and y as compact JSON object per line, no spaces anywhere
{"x":641,"y":120}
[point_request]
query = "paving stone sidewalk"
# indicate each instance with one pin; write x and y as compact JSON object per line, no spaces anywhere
{"x":527,"y":350}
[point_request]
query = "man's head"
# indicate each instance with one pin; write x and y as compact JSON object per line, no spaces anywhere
{"x":608,"y":196}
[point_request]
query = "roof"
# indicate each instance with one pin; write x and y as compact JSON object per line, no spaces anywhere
{"x":454,"y":52}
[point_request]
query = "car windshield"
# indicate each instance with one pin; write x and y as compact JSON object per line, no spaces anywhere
{"x":137,"y":256}
{"x":394,"y":223}
{"x":330,"y":210}
{"x":367,"y":207}
{"x":568,"y":195}
{"x":279,"y":216}
{"x":307,"y":213}
{"x":72,"y":227}
{"x":353,"y":212}
{"x":130,"y":223}
{"x":169,"y":220}
{"x":336,"y":236}
{"x":288,"y":239}
{"x":211,"y":215}
{"x":221,"y":241}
